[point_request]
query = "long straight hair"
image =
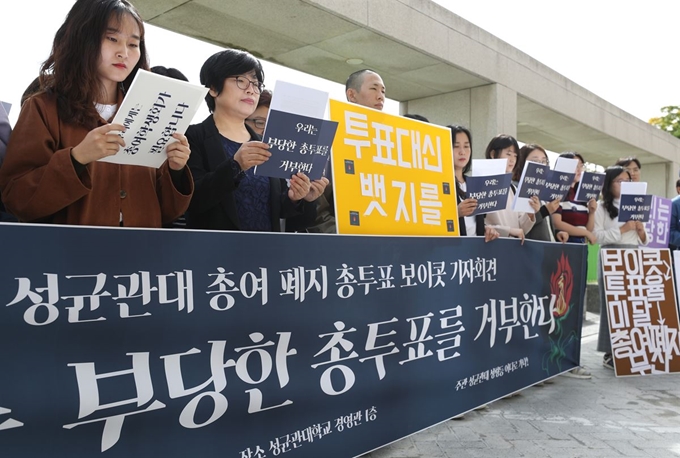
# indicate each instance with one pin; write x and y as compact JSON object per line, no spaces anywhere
{"x":610,"y":174}
{"x":455,"y":130}
{"x":71,"y":70}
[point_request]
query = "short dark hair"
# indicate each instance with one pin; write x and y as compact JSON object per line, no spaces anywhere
{"x":355,"y":80}
{"x":498,"y":144}
{"x":626,"y":161}
{"x":610,"y":174}
{"x":416,"y":116}
{"x":677,"y":184}
{"x":169,"y":72}
{"x":230,"y":62}
{"x":572,"y":155}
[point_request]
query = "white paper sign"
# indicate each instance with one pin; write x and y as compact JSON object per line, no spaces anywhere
{"x":636,"y":188}
{"x":566,"y":165}
{"x":521,"y":203}
{"x":154,"y":108}
{"x":488,"y":167}
{"x":299,"y":100}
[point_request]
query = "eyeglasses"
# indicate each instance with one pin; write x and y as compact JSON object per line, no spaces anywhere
{"x":632,"y":170}
{"x":542,"y":161}
{"x":622,"y":181}
{"x":257,"y":122}
{"x":242,"y":82}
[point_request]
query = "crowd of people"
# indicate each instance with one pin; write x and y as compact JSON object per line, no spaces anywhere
{"x":51,"y":171}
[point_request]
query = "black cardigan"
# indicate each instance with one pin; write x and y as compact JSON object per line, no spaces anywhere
{"x":213,"y":205}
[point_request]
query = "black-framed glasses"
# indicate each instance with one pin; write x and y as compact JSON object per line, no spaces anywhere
{"x":622,"y":181}
{"x":257,"y":122}
{"x":242,"y":83}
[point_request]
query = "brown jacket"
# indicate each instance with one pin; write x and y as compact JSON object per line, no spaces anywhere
{"x":39,"y":182}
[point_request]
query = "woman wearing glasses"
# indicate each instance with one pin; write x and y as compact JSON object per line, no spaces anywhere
{"x":543,"y":228}
{"x":227,"y":194}
{"x":611,"y":233}
{"x":632,"y":166}
{"x":258,"y":119}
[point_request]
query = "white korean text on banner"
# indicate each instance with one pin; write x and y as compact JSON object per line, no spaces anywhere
{"x":237,"y":345}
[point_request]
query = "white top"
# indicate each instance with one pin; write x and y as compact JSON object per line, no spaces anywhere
{"x":608,"y":230}
{"x":106,"y":111}
{"x":503,"y":220}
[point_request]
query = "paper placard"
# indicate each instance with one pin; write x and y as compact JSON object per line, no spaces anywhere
{"x":297,"y":144}
{"x":589,"y":187}
{"x":560,"y":180}
{"x":154,"y":108}
{"x":491,"y":192}
{"x":635,"y":204}
{"x":531,"y":183}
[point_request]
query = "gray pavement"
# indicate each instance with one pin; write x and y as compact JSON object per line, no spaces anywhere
{"x":601,"y":417}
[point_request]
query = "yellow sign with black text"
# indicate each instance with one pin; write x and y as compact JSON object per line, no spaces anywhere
{"x":391,"y":175}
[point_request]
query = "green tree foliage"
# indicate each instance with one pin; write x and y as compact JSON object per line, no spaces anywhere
{"x":669,"y":121}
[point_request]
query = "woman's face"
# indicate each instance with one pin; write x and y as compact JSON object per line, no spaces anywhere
{"x":461,"y":150}
{"x":579,"y":170}
{"x":119,"y":53}
{"x":234,"y":101}
{"x":616,"y":184}
{"x":510,"y":154}
{"x":538,"y":156}
{"x":258,"y":119}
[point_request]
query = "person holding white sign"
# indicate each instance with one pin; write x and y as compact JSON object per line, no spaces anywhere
{"x":576,"y":218}
{"x":462,"y":160}
{"x":515,"y":224}
{"x":543,"y":228}
{"x":229,"y":196}
{"x":51,"y":172}
{"x":611,"y":233}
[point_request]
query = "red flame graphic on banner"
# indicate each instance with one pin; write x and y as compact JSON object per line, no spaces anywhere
{"x":561,"y":284}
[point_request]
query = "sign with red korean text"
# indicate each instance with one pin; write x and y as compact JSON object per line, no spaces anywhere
{"x":391,"y":175}
{"x":642,"y":310}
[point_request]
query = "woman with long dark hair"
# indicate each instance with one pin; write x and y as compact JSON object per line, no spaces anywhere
{"x":611,"y":233}
{"x":462,"y":161}
{"x":52,"y":171}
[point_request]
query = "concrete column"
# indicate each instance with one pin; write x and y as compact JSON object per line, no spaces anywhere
{"x":673,"y":176}
{"x":661,"y":178}
{"x":493,"y":111}
{"x":486,"y":110}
